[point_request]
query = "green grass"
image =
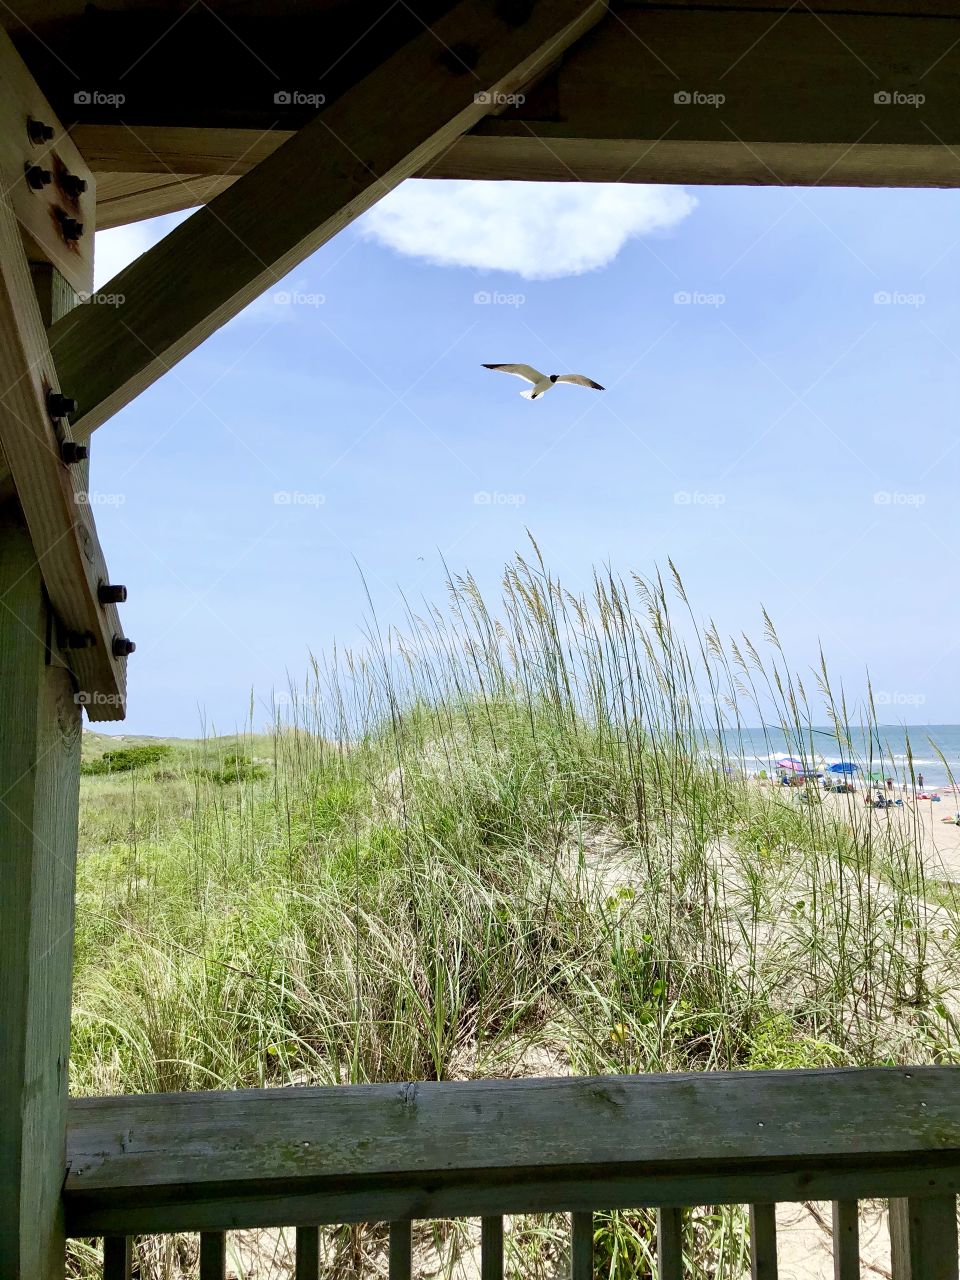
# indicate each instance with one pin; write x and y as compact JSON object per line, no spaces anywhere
{"x":498,"y":844}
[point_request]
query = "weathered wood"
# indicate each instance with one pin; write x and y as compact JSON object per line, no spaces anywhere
{"x":491,"y":1248}
{"x":362,"y":146}
{"x":763,"y":1242}
{"x":923,"y":1238}
{"x":401,"y":1250}
{"x":40,"y":212}
{"x":39,"y":787}
{"x":117,"y":1257}
{"x":581,"y":1246}
{"x":307,"y":1261}
{"x":52,"y":496}
{"x":846,"y":1240}
{"x":670,"y":1243}
{"x":484,"y":1147}
{"x":213,"y":1255}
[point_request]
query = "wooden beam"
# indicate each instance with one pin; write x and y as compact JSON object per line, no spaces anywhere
{"x":386,"y":128}
{"x":39,"y":174}
{"x":51,"y":493}
{"x":923,"y":1238}
{"x":39,"y":788}
{"x":798,"y":108}
{"x":388,"y":1152}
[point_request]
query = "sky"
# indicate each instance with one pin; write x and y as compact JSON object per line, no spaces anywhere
{"x":782,"y":369}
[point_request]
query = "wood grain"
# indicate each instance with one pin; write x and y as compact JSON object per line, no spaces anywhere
{"x":290,"y":1157}
{"x":923,"y":1238}
{"x":846,"y":1240}
{"x":250,"y":236}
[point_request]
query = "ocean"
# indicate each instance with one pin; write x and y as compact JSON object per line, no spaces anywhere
{"x":934,"y":749}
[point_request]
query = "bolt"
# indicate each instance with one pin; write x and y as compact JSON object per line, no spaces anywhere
{"x":73,"y":186}
{"x":39,"y":132}
{"x":71,"y":228}
{"x":71,"y":452}
{"x":37,"y":177}
{"x":59,"y":405}
{"x":122,"y":647}
{"x":108,"y":593}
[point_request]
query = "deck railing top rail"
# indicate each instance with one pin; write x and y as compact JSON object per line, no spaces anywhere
{"x":212,"y":1161}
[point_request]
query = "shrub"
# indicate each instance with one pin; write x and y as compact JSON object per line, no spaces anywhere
{"x":123,"y":759}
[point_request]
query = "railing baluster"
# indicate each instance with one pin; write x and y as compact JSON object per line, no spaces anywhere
{"x":307,"y":1265}
{"x":846,"y":1240}
{"x":491,"y":1249}
{"x":763,"y":1242}
{"x":581,"y":1247}
{"x":117,"y":1257}
{"x":401,"y":1250}
{"x":923,"y":1238}
{"x":670,"y":1243}
{"x":213,"y":1255}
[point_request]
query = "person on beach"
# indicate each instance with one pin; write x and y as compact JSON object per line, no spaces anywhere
{"x":920,"y":781}
{"x":889,"y":784}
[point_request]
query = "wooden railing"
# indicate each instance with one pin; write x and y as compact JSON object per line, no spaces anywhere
{"x":306,"y":1158}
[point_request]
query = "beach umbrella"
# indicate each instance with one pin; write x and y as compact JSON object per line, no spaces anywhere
{"x":845,"y":767}
{"x":793,"y":766}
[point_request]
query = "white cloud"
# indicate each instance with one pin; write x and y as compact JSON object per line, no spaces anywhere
{"x":117,"y":248}
{"x":540,"y":230}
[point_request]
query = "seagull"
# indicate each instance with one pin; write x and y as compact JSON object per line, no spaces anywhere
{"x":542,"y":382}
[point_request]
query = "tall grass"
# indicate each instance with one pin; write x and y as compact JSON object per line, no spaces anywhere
{"x":503,"y":840}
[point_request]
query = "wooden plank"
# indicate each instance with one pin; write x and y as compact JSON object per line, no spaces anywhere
{"x":482,"y":1147}
{"x":307,"y":1262}
{"x":51,"y":493}
{"x":923,"y":1238}
{"x":763,"y":1242}
{"x":846,"y":1240}
{"x":123,"y":198}
{"x":401,"y":1250}
{"x":213,"y":1255}
{"x":581,"y":1246}
{"x":670,"y":1243}
{"x":491,"y":1248}
{"x":41,"y":212}
{"x":117,"y":1257}
{"x":335,"y":168}
{"x":39,"y":789}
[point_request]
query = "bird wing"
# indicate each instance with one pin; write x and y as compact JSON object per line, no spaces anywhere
{"x":580,"y":381}
{"x":520,"y":370}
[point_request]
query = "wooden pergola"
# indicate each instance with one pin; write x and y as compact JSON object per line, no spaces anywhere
{"x":283,"y":120}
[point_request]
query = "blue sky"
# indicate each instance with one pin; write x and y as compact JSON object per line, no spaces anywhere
{"x":787,"y":436}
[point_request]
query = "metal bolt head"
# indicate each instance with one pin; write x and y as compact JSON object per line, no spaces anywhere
{"x":111,"y":593}
{"x":59,"y":405}
{"x":122,"y":647}
{"x":38,"y":132}
{"x":72,"y":453}
{"x":71,"y":228}
{"x":37,"y":177}
{"x":73,"y":186}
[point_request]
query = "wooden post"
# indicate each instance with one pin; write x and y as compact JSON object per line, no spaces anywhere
{"x":39,"y":789}
{"x":923,"y":1238}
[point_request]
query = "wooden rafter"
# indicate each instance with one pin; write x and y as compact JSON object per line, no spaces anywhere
{"x":388,"y":127}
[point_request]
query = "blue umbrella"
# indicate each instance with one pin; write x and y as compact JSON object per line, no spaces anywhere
{"x":844,"y":767}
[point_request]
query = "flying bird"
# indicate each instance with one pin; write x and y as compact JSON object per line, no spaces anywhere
{"x":542,"y":382}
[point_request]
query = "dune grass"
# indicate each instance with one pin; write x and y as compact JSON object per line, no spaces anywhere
{"x":503,"y":842}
